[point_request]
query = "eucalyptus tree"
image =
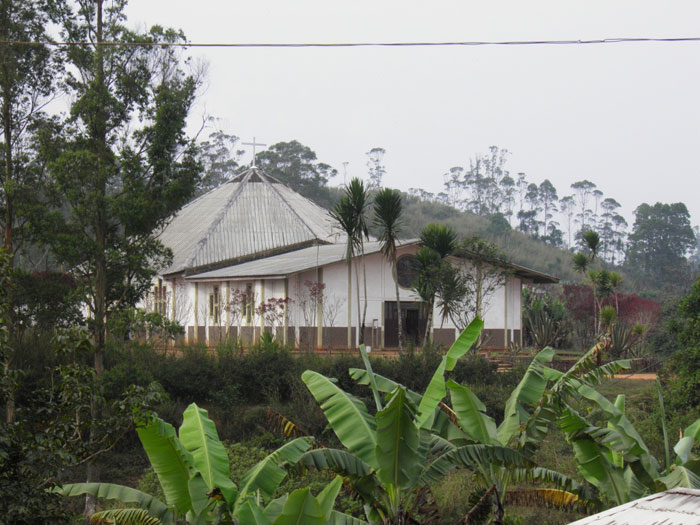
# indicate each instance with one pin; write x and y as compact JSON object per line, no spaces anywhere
{"x":388,"y":210}
{"x":548,"y":200}
{"x":583,"y":190}
{"x":375,"y":168}
{"x":567,"y":206}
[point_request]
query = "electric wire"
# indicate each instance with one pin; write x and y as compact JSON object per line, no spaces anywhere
{"x":597,"y":41}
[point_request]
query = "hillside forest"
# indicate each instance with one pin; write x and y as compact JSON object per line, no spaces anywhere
{"x":109,"y":418}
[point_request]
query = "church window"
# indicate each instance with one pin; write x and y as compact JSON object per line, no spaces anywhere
{"x":214,"y":306}
{"x":406,"y":271}
{"x":160,"y":298}
{"x":248,"y":303}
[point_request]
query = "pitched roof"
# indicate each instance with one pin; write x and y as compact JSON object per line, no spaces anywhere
{"x":250,"y":216}
{"x":287,"y":263}
{"x":673,"y":507}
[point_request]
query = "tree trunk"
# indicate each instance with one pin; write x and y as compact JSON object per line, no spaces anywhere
{"x":357,"y":288}
{"x":428,"y":324}
{"x":7,"y":244}
{"x":399,"y":320}
{"x":100,"y":290}
{"x":364,"y":304}
{"x":350,"y":345}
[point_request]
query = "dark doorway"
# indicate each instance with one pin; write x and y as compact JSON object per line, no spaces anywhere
{"x":413,"y":317}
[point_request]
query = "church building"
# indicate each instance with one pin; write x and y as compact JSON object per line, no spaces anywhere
{"x":252,"y":255}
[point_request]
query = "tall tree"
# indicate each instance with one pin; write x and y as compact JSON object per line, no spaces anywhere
{"x":358,"y":197}
{"x":28,"y":77}
{"x":297,"y":166}
{"x":548,"y":200}
{"x":375,"y":168}
{"x":387,"y":217}
{"x":123,"y":164}
{"x":220,"y":160}
{"x":661,"y":239}
{"x":567,"y":208}
{"x":343,"y":215}
{"x":583,"y":190}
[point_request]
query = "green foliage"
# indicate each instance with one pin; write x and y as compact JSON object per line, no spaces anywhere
{"x":544,"y":319}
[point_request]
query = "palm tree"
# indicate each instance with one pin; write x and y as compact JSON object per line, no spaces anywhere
{"x":441,"y":240}
{"x":343,"y":214}
{"x":358,"y":199}
{"x":387,"y":217}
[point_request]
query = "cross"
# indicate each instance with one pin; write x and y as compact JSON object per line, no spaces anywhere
{"x":254,"y":144}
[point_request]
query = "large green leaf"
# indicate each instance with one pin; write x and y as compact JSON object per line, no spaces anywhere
{"x":250,"y":514}
{"x":347,"y":416}
{"x":274,"y":508}
{"x":471,"y":414}
{"x":384,"y":384}
{"x":301,"y":508}
{"x":435,"y":391}
{"x":199,"y":436}
{"x":477,"y":458}
{"x":266,"y":475}
{"x":398,"y":442}
{"x":339,"y":461}
{"x":172,"y":463}
{"x":370,"y":376}
{"x":125,"y":517}
{"x":463,"y":343}
{"x":680,"y":477}
{"x":153,"y":506}
{"x":616,"y":419}
{"x":528,"y":391}
{"x":685,"y":445}
{"x":326,"y":498}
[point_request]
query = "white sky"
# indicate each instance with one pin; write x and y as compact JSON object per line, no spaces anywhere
{"x":625,"y":116}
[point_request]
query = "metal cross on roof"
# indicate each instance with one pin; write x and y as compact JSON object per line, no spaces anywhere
{"x":254,"y":144}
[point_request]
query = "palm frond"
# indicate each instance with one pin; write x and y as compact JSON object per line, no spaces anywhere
{"x":124,"y":517}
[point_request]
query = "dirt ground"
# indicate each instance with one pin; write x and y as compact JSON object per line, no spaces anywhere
{"x":639,"y":377}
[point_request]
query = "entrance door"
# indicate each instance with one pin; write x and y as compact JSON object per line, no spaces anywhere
{"x":413,"y":317}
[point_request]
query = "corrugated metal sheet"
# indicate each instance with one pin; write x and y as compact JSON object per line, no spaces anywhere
{"x":252,"y":214}
{"x":673,"y":507}
{"x":285,"y":264}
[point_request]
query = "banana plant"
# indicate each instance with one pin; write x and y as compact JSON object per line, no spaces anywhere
{"x":193,"y":472}
{"x":390,"y":458}
{"x":614,"y":457}
{"x":498,"y":456}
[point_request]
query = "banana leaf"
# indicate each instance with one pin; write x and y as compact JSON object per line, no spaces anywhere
{"x":477,"y":458}
{"x":471,"y":414}
{"x":125,"y":517}
{"x":250,"y":514}
{"x":301,"y":508}
{"x":436,"y":390}
{"x":153,"y":506}
{"x":529,"y":391}
{"x":267,"y":474}
{"x":680,"y":476}
{"x":346,"y":415}
{"x":173,"y":464}
{"x":399,"y":454}
{"x":685,"y":445}
{"x":326,"y":498}
{"x":199,"y":436}
{"x":339,"y":461}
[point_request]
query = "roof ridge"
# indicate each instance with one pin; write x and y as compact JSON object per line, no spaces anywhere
{"x":291,"y":208}
{"x":201,"y":243}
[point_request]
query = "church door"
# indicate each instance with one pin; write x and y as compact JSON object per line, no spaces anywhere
{"x":413,"y":319}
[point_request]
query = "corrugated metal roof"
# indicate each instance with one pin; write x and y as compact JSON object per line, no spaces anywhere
{"x":251,"y":214}
{"x":673,"y":507}
{"x":287,"y":263}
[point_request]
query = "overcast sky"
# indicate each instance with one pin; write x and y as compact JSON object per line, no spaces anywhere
{"x":625,"y":116}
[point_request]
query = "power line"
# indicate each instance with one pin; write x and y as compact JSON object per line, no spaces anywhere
{"x":362,"y":44}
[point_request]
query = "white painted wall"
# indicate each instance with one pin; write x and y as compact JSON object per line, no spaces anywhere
{"x":380,"y":288}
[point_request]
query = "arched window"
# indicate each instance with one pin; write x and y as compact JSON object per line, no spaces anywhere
{"x":406,"y":271}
